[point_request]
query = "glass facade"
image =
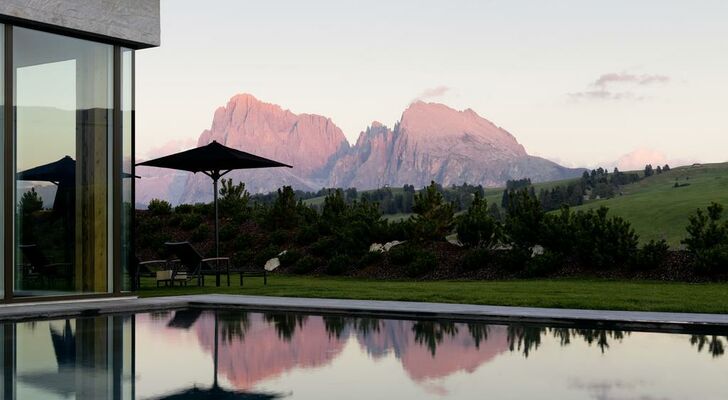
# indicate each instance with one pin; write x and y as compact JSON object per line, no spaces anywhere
{"x":63,"y":91}
{"x":70,"y":193}
{"x":127,"y":167}
{"x":2,"y":151}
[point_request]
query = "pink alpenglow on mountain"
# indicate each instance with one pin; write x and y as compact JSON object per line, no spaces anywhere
{"x":430,"y":142}
{"x":306,"y":141}
{"x":435,"y":142}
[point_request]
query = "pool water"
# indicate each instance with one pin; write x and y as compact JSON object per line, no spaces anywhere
{"x":232,"y":354}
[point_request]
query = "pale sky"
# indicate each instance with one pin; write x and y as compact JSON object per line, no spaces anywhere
{"x":579,"y":82}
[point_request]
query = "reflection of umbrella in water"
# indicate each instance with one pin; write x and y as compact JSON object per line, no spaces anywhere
{"x":61,"y":173}
{"x":213,"y":160}
{"x":64,"y":345}
{"x":184,"y":319}
{"x":216,"y":392}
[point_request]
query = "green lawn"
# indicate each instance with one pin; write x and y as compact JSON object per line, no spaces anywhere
{"x":567,"y":293}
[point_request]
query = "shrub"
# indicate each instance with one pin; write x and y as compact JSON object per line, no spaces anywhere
{"x":400,"y":230}
{"x":477,"y":228}
{"x":353,"y":226}
{"x":652,"y":254}
{"x":284,"y":213}
{"x":603,"y":242}
{"x":402,"y":254}
{"x":174,"y":220}
{"x":514,"y":260}
{"x":264,"y":255}
{"x":712,"y":260}
{"x":307,"y":235}
{"x":338,"y":264}
{"x":594,"y":238}
{"x":335,"y":207}
{"x":524,"y":220}
{"x":412,"y":260}
{"x":200,"y":234}
{"x":324,"y":247}
{"x":290,"y":258}
{"x":305,"y":265}
{"x":159,"y":207}
{"x":243,"y":258}
{"x":707,"y":239}
{"x":425,"y":262}
{"x":227,"y":232}
{"x":558,"y":232}
{"x":475,"y":259}
{"x":705,"y":229}
{"x":278,"y":237}
{"x":204,"y":209}
{"x":434,"y":216}
{"x":234,"y":199}
{"x":369,"y":258}
{"x":543,"y":265}
{"x":190,"y":221}
{"x":243,"y":242}
{"x":184,"y":209}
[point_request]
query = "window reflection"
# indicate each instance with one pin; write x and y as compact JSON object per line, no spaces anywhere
{"x":63,"y":124}
{"x":87,"y":358}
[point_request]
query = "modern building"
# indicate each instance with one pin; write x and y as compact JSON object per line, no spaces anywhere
{"x":67,"y":129}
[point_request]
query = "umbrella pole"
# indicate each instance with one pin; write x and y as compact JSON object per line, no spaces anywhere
{"x":215,"y":178}
{"x":214,"y":384}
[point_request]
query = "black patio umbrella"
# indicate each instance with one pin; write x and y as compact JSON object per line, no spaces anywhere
{"x":214,"y":160}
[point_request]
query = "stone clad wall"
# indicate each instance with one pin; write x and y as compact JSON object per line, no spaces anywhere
{"x":130,"y":20}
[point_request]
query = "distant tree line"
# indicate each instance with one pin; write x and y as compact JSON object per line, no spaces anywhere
{"x":389,"y":200}
{"x":594,"y":184}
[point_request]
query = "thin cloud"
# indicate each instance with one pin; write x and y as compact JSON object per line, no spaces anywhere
{"x":432,"y":93}
{"x":622,"y":78}
{"x":603,"y":88}
{"x":603,"y":94}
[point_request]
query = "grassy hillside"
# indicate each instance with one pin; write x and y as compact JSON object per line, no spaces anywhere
{"x":659,"y":210}
{"x":655,"y":207}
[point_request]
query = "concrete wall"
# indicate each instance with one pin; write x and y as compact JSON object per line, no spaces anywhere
{"x":129,"y":20}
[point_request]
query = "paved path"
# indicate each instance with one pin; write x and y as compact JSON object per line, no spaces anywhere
{"x":661,"y":321}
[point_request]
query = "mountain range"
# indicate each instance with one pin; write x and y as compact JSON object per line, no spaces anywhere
{"x":430,"y":142}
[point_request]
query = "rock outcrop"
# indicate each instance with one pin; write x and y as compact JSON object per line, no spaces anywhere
{"x":435,"y":142}
{"x":309,"y":142}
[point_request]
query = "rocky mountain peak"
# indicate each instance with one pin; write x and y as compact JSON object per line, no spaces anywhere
{"x":430,"y":142}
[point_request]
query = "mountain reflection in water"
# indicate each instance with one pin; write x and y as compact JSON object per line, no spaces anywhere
{"x":255,"y":347}
{"x":236,"y":354}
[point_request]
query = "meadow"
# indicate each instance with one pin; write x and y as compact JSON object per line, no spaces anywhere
{"x":658,"y":209}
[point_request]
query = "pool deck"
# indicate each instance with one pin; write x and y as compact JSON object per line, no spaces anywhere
{"x":650,"y":321}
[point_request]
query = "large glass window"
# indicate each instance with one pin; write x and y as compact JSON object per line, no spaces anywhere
{"x":127,"y":169}
{"x":63,"y":127}
{"x":2,"y":148}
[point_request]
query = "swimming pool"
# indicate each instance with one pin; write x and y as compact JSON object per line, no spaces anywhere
{"x":233,"y":354}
